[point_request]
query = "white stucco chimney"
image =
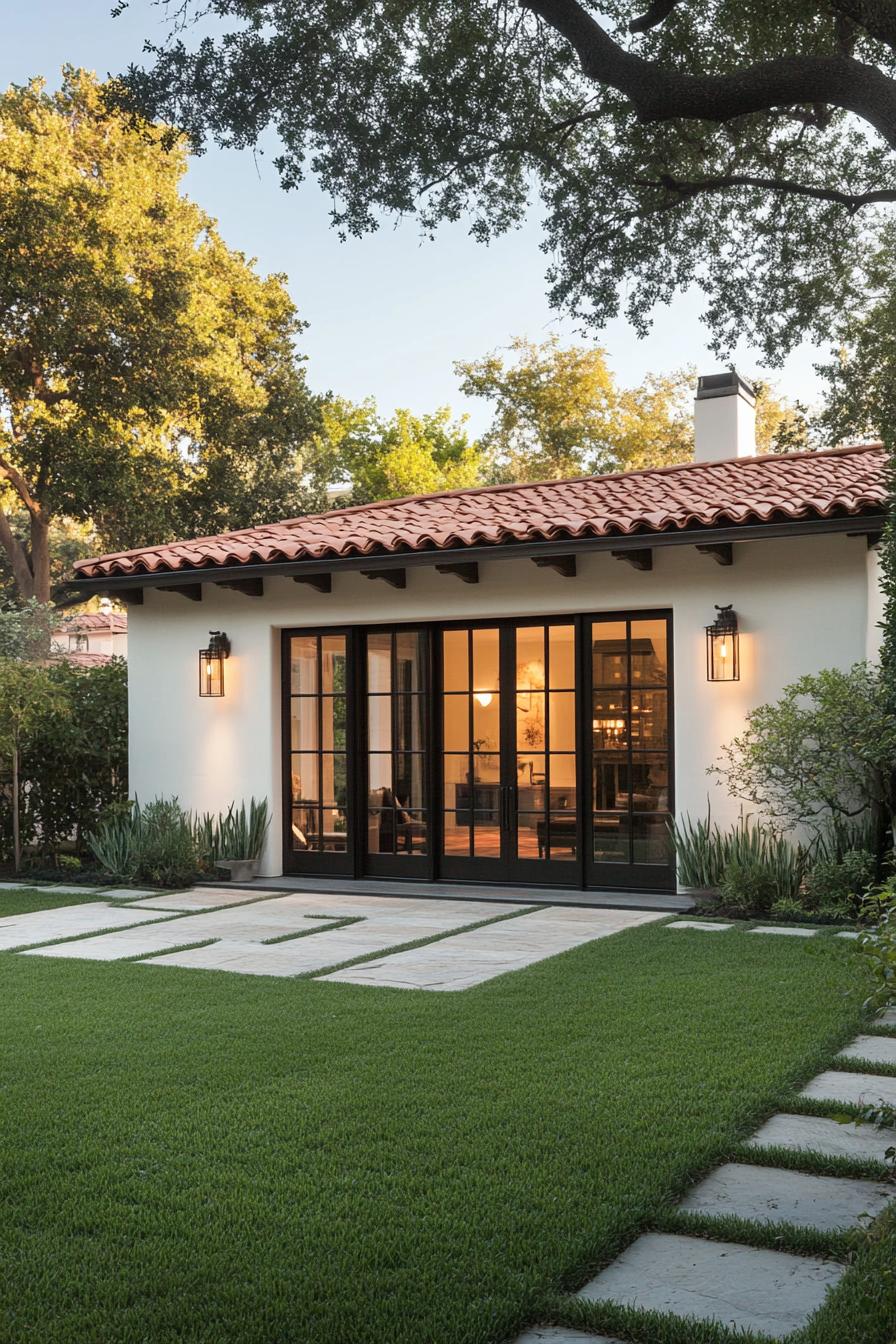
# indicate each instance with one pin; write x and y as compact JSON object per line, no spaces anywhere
{"x":724,"y":417}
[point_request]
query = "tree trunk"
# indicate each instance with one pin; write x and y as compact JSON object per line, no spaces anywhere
{"x":18,"y":559}
{"x":40,"y":557}
{"x":16,"y":832}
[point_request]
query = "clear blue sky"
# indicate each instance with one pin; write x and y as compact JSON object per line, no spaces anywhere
{"x":388,"y":314}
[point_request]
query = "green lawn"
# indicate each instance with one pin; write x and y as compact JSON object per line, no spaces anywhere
{"x":26,"y":899}
{"x":198,"y":1156}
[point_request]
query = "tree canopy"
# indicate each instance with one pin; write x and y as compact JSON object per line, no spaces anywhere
{"x":374,"y":457}
{"x":560,"y":411}
{"x":148,"y":376}
{"x":747,"y":148}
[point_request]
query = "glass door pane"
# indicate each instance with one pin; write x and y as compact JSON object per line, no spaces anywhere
{"x":471,"y":738}
{"x":397,"y":755}
{"x":317,"y":745}
{"x":631,"y":765}
{"x":545,"y":791}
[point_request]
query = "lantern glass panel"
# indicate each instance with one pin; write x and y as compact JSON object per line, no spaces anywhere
{"x":211,"y":672}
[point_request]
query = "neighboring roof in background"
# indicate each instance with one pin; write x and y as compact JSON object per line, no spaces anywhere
{"x":838,"y":482}
{"x":93,"y":622}
{"x":82,"y":659}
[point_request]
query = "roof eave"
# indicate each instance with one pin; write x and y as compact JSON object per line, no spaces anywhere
{"x":864,"y":523}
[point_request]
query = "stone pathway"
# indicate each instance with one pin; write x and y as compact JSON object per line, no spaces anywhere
{"x":67,"y":921}
{"x":770,"y":1292}
{"x":250,"y":934}
{"x":782,"y":930}
{"x":471,"y":958}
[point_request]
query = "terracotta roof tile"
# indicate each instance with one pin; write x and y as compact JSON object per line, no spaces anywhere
{"x":839,"y":481}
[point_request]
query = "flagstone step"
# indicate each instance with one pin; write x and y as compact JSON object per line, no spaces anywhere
{"x":561,"y":1334}
{"x":812,"y":1132}
{"x":696,"y":924}
{"x":857,"y":1089}
{"x":785,"y":932}
{"x":741,"y":1287}
{"x":775,"y":1195}
{"x":877,"y":1049}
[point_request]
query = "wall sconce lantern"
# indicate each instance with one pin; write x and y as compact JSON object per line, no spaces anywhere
{"x":723,"y":647}
{"x":211,"y":664}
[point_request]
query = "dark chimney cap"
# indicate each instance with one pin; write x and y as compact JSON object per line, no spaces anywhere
{"x":727,"y":384}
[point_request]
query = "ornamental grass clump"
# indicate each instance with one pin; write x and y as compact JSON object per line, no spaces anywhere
{"x":153,"y":844}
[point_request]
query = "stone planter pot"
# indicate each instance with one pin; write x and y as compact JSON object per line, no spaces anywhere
{"x":238,"y":870}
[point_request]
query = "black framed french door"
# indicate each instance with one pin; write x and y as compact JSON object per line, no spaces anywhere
{"x":318,"y":678}
{"x":394,"y":744}
{"x":509,"y":762}
{"x":527,"y":750}
{"x":628,"y":672}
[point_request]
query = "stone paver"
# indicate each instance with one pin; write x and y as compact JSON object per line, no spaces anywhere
{"x":740,"y":1286}
{"x":126,"y":893}
{"x":695,"y":924}
{"x":482,"y":954}
{"x":199,"y":898}
{"x":848,"y":933}
{"x":775,"y":1195}
{"x":562,"y":1334}
{"x":785,"y":932}
{"x":242,"y":934}
{"x":876,"y":1049}
{"x":887,"y":1018}
{"x":67,"y":921}
{"x":802,"y":1133}
{"x":858,"y":1089}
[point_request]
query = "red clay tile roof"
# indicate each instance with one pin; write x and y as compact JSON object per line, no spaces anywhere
{"x":836,"y":482}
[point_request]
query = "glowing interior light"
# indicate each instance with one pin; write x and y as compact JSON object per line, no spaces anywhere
{"x":484,"y":698}
{"x":723,"y":650}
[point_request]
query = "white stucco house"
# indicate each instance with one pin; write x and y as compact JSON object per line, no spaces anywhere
{"x":90,"y":638}
{"x":506,"y":684}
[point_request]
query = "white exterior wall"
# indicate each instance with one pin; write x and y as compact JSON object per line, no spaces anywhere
{"x":803,"y":604}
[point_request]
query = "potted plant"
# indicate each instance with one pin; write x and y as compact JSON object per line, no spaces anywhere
{"x":239,"y":839}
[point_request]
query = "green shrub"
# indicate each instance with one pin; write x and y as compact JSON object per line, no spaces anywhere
{"x":749,"y":887}
{"x":233,"y":834}
{"x":167,"y":853}
{"x":836,"y":887}
{"x":788,"y":907}
{"x":165,"y":846}
{"x":113,"y":845}
{"x":878,"y":943}
{"x":705,"y":855}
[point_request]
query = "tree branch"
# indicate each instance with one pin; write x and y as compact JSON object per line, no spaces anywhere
{"x":853,"y":202}
{"x":658,"y":94}
{"x":18,"y":559}
{"x":653,"y":16}
{"x":877,"y":17}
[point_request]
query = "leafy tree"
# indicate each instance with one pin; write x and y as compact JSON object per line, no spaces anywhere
{"x":405,"y":455}
{"x":67,"y":542}
{"x":27,"y":693}
{"x":26,"y":630}
{"x":560,"y":412}
{"x":148,"y":378}
{"x":822,"y":753}
{"x":747,"y":148}
{"x":75,"y":755}
{"x":782,"y":426}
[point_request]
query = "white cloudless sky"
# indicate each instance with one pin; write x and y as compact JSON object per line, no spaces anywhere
{"x":388,"y":314}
